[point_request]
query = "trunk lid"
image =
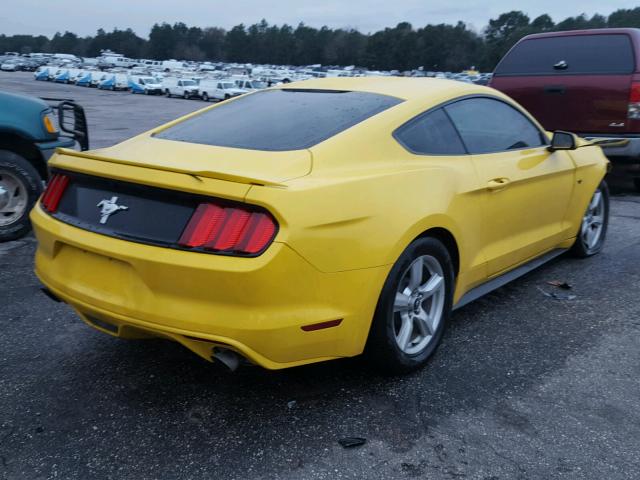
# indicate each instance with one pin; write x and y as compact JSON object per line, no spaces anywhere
{"x":146,"y":190}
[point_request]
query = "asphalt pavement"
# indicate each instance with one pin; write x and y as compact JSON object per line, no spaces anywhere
{"x":524,"y":386}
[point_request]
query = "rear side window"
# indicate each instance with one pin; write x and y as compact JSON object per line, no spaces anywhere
{"x":431,"y":134}
{"x":578,"y":54}
{"x":279,"y":120}
{"x":488,"y":126}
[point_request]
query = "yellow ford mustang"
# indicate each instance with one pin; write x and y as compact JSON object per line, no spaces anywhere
{"x":318,"y":220}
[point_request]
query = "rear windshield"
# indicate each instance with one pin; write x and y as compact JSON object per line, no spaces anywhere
{"x":278,"y":120}
{"x":578,"y":54}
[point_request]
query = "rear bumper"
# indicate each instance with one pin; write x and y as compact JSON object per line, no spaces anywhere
{"x":255,"y":306}
{"x":629,"y":154}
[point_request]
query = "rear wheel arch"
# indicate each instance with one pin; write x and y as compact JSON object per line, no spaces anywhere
{"x":383,"y":347}
{"x":26,"y":149}
{"x":448,"y":240}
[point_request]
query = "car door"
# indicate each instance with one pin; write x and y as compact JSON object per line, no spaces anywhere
{"x":527,"y":188}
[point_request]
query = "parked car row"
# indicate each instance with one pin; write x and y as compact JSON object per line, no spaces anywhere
{"x":13,"y":63}
{"x":203,"y":88}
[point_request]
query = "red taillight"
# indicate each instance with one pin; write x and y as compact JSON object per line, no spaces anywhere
{"x":635,"y":93}
{"x":228,"y":229}
{"x":53,"y":193}
{"x":634,"y":101}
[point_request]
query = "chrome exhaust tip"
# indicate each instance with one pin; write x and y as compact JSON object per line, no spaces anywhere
{"x":228,"y":358}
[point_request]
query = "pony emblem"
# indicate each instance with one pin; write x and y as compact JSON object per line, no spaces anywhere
{"x":108,"y":208}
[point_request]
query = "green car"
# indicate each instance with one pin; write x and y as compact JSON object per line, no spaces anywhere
{"x":30,"y":131}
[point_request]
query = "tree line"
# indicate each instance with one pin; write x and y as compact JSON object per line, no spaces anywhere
{"x":441,"y":47}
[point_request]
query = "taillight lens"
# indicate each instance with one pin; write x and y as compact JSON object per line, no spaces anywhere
{"x":53,"y":193}
{"x":634,"y":101}
{"x":235,"y":230}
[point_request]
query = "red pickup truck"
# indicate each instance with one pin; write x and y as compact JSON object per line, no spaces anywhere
{"x":583,"y":81}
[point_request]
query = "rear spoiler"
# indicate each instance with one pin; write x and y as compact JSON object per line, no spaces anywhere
{"x":197,"y":173}
{"x":72,"y":120}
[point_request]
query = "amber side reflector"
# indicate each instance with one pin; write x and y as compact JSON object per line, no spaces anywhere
{"x":321,"y":325}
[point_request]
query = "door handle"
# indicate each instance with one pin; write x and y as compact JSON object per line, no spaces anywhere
{"x":555,"y":89}
{"x":498,"y":183}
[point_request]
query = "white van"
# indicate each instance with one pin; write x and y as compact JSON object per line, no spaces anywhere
{"x":180,"y":87}
{"x":173,"y":65}
{"x":251,"y":85}
{"x":145,"y":84}
{"x":219,"y":89}
{"x":114,"y":81}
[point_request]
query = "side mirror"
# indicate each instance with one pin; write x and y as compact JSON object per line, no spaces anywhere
{"x":563,"y":141}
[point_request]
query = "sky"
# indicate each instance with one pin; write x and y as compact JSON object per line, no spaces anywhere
{"x":84,"y":17}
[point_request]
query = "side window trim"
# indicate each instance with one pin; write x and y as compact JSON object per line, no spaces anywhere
{"x":526,"y":115}
{"x":455,"y":127}
{"x":396,"y":133}
{"x":443,"y":105}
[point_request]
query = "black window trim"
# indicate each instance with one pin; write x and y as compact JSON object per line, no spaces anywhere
{"x":442,"y":106}
{"x":562,"y":73}
{"x":398,"y":131}
{"x":570,"y":74}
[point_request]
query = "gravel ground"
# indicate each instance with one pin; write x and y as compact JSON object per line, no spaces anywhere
{"x":523,"y":387}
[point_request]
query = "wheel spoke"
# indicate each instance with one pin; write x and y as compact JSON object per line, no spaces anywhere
{"x":8,"y":208}
{"x":15,"y":201}
{"x":404,"y":335}
{"x":591,"y":233}
{"x":415,"y":278}
{"x":13,"y":198}
{"x":401,"y":303}
{"x":596,"y":220}
{"x":585,"y":226}
{"x":425,"y":323}
{"x":595,"y":201}
{"x":432,"y":286}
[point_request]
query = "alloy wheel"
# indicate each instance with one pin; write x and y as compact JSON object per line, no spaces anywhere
{"x":419,"y":304}
{"x":14,"y":198}
{"x":593,"y":221}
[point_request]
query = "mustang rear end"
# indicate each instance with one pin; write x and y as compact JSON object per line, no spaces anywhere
{"x":158,"y":255}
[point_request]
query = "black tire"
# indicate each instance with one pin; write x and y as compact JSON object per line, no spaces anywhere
{"x":580,"y":248}
{"x":167,"y":93}
{"x":28,"y":176}
{"x":186,"y":95}
{"x":227,"y":96}
{"x":382,"y":349}
{"x":146,"y":92}
{"x":205,"y":97}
